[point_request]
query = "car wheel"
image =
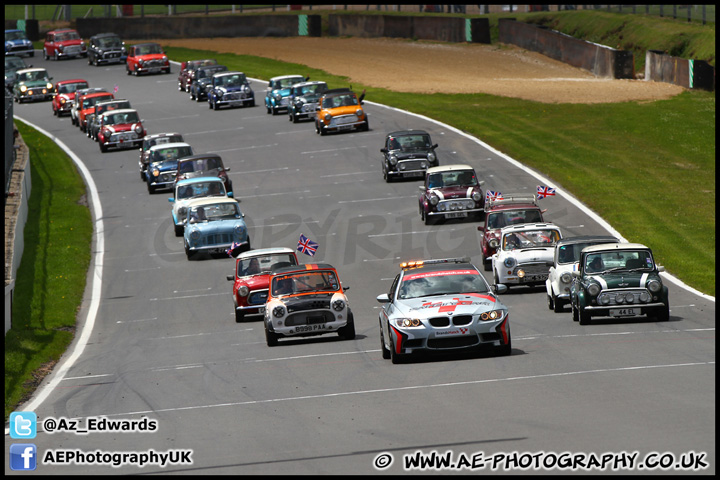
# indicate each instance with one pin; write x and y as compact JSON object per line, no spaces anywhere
{"x":192,"y":95}
{"x":267,"y":110}
{"x":45,"y":55}
{"x":55,"y":113}
{"x":487,"y":264}
{"x":323,"y":131}
{"x":188,"y":253}
{"x":348,"y":331}
{"x":574,"y":313}
{"x":317,"y":128}
{"x":179,"y":230}
{"x":395,"y":357}
{"x":239,"y":316}
{"x":551,"y":303}
{"x":427,"y":218}
{"x":90,"y":61}
{"x":584,"y":317}
{"x":56,"y":57}
{"x":505,"y":350}
{"x":385,"y":351}
{"x":366,"y":126}
{"x":271,"y":338}
{"x":216,"y":106}
{"x":558,"y":305}
{"x":151,"y":188}
{"x":103,"y":148}
{"x":663,"y":314}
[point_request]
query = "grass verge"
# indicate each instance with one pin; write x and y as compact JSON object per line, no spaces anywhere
{"x":51,"y":278}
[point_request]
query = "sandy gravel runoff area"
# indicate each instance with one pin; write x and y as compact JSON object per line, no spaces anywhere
{"x":424,"y":67}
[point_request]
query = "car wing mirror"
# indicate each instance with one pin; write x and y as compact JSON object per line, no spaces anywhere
{"x":421,"y":188}
{"x":230,"y":277}
{"x":660,"y":268}
{"x":434,"y":146}
{"x":383,"y":298}
{"x":481,"y":228}
{"x":384,"y":150}
{"x":171,"y":200}
{"x":345,"y":288}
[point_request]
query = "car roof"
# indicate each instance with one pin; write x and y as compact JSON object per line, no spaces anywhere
{"x":77,"y":80}
{"x":168,"y":145}
{"x":31,"y":69}
{"x":434,"y":267}
{"x":264,"y":251}
{"x":311,"y":82}
{"x":282,"y":77}
{"x":8,"y":30}
{"x":111,"y":101}
{"x":95,"y":94}
{"x":449,"y":168}
{"x":303,"y":268}
{"x":198,"y":202}
{"x":158,"y":135}
{"x":399,"y":133}
{"x":220,"y":74}
{"x":201,"y":155}
{"x":521,"y":227}
{"x":587,"y":238}
{"x":615,"y":246}
{"x":192,"y":180}
{"x":124,"y":110}
{"x":106,"y":34}
{"x":61,"y":30}
{"x":337,"y":91}
{"x":143,"y":44}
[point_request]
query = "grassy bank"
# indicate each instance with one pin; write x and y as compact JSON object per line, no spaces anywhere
{"x":51,"y":277}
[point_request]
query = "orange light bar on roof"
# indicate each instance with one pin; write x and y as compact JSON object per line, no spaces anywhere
{"x":415,"y":263}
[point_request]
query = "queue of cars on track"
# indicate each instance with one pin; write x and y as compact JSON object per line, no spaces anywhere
{"x":432,"y":305}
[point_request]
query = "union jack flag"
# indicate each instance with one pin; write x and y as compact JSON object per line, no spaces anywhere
{"x":230,"y":250}
{"x":307,"y":246}
{"x":543,"y":191}
{"x":491,"y":196}
{"x":115,"y":89}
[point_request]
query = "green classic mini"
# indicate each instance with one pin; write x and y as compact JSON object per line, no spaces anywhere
{"x":618,"y":280}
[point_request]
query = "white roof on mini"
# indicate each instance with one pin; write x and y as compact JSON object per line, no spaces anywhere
{"x":264,"y":251}
{"x":449,"y":168}
{"x":615,"y":246}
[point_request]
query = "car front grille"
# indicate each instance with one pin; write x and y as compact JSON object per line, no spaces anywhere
{"x":455,"y":204}
{"x":459,"y":320}
{"x":74,"y":50}
{"x":217,"y":239}
{"x":453,"y":342}
{"x":258,"y":297}
{"x":154,"y":64}
{"x":343,"y":120}
{"x":309,"y":318}
{"x":314,"y":304}
{"x":533,"y":269}
{"x":414,"y":164}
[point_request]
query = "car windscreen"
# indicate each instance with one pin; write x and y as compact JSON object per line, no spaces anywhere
{"x":410,"y":142}
{"x":455,"y":178}
{"x":263,"y":264}
{"x":304,"y":282}
{"x":171,"y":153}
{"x":121,"y":118}
{"x":71,"y":87}
{"x":618,"y":260}
{"x":530,"y":239}
{"x":513,"y":217}
{"x":200,"y":189}
{"x":441,"y":282}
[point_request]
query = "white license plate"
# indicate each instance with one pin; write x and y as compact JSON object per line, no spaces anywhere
{"x":624,"y":312}
{"x":414,"y":174}
{"x":456,"y":215}
{"x":154,"y":70}
{"x":309,"y":328}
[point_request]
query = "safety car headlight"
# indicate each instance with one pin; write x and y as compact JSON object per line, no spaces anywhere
{"x":491,"y":315}
{"x":48,"y":86}
{"x":338,"y":305}
{"x":243,"y":290}
{"x":593,"y":289}
{"x":654,"y":286}
{"x":278,"y":311}
{"x":408,"y":322}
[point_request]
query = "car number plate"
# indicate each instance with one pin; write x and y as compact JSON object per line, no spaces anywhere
{"x":154,"y":69}
{"x":623,"y":312}
{"x":456,"y":215}
{"x":344,"y":127}
{"x":413,"y":174}
{"x":309,"y":328}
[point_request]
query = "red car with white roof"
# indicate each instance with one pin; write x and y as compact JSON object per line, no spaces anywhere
{"x":63,"y":43}
{"x":252,"y":277}
{"x":64,"y":94}
{"x":120,"y":129}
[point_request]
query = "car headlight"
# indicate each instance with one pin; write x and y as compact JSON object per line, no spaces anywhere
{"x":604,"y":300}
{"x":509,"y":262}
{"x":593,"y":289}
{"x":243,"y":290}
{"x":476,"y":196}
{"x":164,"y":58}
{"x":493,"y":243}
{"x":434,"y":199}
{"x":49,"y":86}
{"x":155,"y":172}
{"x":566,"y":277}
{"x":338,"y":305}
{"x":328,"y":117}
{"x":278,"y":311}
{"x":431,"y":157}
{"x":141,"y":61}
{"x":521,"y":273}
{"x":138,"y":129}
{"x":491,"y":315}
{"x":359,"y":113}
{"x":408,"y":322}
{"x":23,"y":88}
{"x":393,"y":160}
{"x":195,"y":234}
{"x":239,"y":230}
{"x":654,"y":286}
{"x":644,"y":297}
